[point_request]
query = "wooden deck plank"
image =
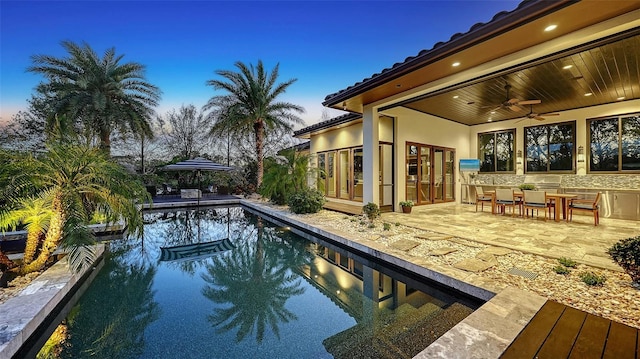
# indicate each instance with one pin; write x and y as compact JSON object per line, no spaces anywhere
{"x":621,"y":342}
{"x":534,"y":334}
{"x":563,"y":335}
{"x":343,"y":207}
{"x":591,"y":339}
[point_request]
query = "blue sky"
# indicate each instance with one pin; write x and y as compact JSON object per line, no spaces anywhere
{"x":326,"y":45}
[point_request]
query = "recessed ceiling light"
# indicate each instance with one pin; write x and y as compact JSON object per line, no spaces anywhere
{"x":492,"y":112}
{"x":588,"y":94}
{"x":550,"y":28}
{"x":620,"y":98}
{"x":456,"y":96}
{"x":489,"y":120}
{"x":567,"y":67}
{"x":455,"y":64}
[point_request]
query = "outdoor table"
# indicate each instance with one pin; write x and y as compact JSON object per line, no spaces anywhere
{"x":563,"y":200}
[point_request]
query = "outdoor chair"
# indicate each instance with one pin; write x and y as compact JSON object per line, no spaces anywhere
{"x":585,"y":205}
{"x":534,"y":200}
{"x":481,"y":198}
{"x":504,"y":199}
{"x":551,"y":202}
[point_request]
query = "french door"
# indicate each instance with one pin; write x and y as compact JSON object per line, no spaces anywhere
{"x":430,"y":173}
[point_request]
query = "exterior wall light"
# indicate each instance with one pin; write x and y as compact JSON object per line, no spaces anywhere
{"x":519,"y":157}
{"x":580,"y":154}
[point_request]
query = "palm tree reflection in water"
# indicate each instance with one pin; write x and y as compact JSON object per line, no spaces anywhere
{"x":255,"y":280}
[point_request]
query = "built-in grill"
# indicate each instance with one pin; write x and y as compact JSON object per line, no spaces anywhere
{"x":543,"y":182}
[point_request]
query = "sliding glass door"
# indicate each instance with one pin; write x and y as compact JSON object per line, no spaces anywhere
{"x":430,"y":176}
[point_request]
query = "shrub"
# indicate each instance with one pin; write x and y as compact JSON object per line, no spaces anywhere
{"x":397,"y":224}
{"x":626,"y":253}
{"x":590,"y":278}
{"x":567,"y":262}
{"x":386,"y":226}
{"x":306,"y":201}
{"x":371,"y":210}
{"x":560,"y":269}
{"x":406,"y":203}
{"x":527,"y":187}
{"x":371,"y":225}
{"x":284,"y":176}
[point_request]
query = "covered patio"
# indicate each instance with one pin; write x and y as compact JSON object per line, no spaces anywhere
{"x":579,"y":240}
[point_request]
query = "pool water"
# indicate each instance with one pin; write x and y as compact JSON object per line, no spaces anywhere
{"x":250,"y":289}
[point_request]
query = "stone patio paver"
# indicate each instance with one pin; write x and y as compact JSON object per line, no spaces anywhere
{"x":405,"y":245}
{"x":473,"y":265}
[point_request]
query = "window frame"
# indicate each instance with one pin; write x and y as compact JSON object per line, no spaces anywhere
{"x":588,"y":154}
{"x":573,"y":148}
{"x":495,"y":150}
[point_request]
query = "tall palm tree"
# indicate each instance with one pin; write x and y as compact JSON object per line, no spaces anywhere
{"x":76,"y":181}
{"x":251,"y":105}
{"x":103,"y":93}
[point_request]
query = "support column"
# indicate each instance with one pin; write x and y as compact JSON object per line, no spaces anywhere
{"x":370,"y":156}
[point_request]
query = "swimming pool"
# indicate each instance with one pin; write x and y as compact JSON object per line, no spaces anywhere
{"x":224,"y":283}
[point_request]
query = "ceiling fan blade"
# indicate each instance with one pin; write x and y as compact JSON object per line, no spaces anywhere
{"x":515,"y":108}
{"x":550,"y":114}
{"x":529,"y":102}
{"x":539,"y":118}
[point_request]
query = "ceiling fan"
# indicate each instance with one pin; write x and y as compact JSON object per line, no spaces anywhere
{"x":536,"y":116}
{"x":512,"y":104}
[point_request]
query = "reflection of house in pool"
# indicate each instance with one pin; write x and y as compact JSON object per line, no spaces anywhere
{"x":394,"y":319}
{"x":195,"y":251}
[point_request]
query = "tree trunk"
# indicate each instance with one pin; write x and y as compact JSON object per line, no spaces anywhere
{"x":105,"y":140}
{"x":52,"y":238}
{"x":5,"y":262}
{"x":33,"y":241}
{"x":259,"y":131}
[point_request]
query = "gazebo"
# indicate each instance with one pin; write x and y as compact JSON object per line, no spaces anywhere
{"x":198,"y":165}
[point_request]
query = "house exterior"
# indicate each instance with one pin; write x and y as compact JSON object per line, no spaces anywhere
{"x":548,"y":92}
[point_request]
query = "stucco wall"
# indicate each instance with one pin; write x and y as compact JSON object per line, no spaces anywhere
{"x":413,"y":126}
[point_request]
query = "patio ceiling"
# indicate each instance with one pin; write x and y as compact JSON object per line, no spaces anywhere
{"x":598,"y":38}
{"x":608,"y":70}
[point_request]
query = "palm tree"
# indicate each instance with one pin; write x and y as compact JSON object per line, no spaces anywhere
{"x":251,"y":105}
{"x":102,"y":93}
{"x":75,"y":181}
{"x":35,"y":213}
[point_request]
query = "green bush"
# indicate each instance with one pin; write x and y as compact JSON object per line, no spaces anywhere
{"x":626,"y":253}
{"x":527,"y":187}
{"x":386,"y":226}
{"x":567,"y":262}
{"x":371,"y":210}
{"x":306,"y":201}
{"x":284,"y":175}
{"x":371,"y":225}
{"x":560,"y":269}
{"x":590,"y":278}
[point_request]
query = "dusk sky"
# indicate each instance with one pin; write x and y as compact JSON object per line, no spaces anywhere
{"x":326,"y":45}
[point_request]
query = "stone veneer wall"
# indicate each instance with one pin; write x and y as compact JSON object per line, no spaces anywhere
{"x":604,"y":181}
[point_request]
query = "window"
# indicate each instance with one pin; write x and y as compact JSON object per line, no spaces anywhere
{"x":614,"y":144}
{"x":496,"y":151}
{"x":550,"y":148}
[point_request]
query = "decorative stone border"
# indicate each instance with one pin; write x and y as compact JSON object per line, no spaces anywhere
{"x":22,"y":315}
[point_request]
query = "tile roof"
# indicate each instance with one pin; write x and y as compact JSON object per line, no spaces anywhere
{"x":328,"y":123}
{"x":475,"y":33}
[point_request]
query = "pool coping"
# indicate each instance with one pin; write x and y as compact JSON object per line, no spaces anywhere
{"x":486,"y":333}
{"x":24,"y":314}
